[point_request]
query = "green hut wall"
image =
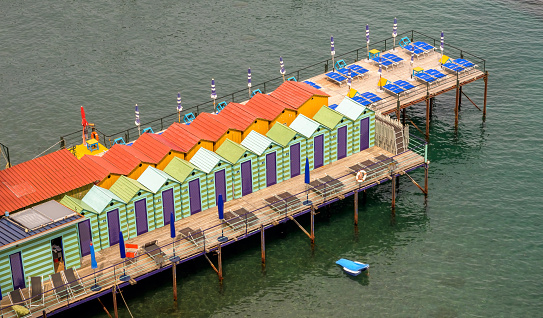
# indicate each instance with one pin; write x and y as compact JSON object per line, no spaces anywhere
{"x":288,"y":138}
{"x":311,"y":130}
{"x":262,"y":146}
{"x":334,"y":121}
{"x":211,"y":163}
{"x":89,"y":213}
{"x":356,"y":112}
{"x":236,"y":154}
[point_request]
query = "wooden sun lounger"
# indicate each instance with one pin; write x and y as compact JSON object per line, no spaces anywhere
{"x":292,"y":201}
{"x":246,"y":216}
{"x":321,"y":188}
{"x":197,"y":237}
{"x":276,"y":204}
{"x":59,"y":286}
{"x":36,"y":290}
{"x":74,"y":281}
{"x":16,"y":297}
{"x":335,"y":183}
{"x":233,"y":220}
{"x":154,"y":252}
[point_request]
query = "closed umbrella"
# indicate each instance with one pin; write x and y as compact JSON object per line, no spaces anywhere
{"x":380,"y":72}
{"x":179,"y":107}
{"x":282,"y":70}
{"x":306,"y":180}
{"x":249,"y":80}
{"x":220,"y":206}
{"x":174,"y":258}
{"x":137,"y":122}
{"x":368,"y":42}
{"x":213,"y":93}
{"x":412,"y":61}
{"x":84,"y":122}
{"x":442,"y":45}
{"x":122,"y":251}
{"x":394,"y":34}
{"x":332,"y":51}
{"x":349,"y":79}
{"x":94,"y":266}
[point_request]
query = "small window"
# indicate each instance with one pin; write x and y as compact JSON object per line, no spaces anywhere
{"x":167,"y":182}
{"x":193,"y":173}
{"x":228,"y":132}
{"x":245,"y":155}
{"x":141,"y":164}
{"x":283,"y":112}
{"x":199,"y":142}
{"x":139,"y":193}
{"x":318,"y":129}
{"x":111,"y":204}
{"x":219,"y":164}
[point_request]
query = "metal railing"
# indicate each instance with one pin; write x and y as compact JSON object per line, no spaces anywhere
{"x":270,"y":85}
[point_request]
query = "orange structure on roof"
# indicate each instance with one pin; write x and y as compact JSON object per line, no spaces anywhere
{"x":271,"y":109}
{"x":206,"y":126}
{"x":302,"y":97}
{"x":183,"y":137}
{"x":44,"y":178}
{"x":234,"y":115}
{"x":108,"y":173}
{"x":159,"y":149}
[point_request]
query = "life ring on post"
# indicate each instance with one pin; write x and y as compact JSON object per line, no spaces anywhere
{"x":94,"y":135}
{"x":361,"y":176}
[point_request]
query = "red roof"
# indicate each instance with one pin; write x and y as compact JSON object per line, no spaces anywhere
{"x":181,"y":136}
{"x":121,"y":158}
{"x":154,"y":146}
{"x":234,"y":116}
{"x":265,"y":106}
{"x":42,"y":178}
{"x":99,"y":166}
{"x":296,"y":93}
{"x":208,"y":127}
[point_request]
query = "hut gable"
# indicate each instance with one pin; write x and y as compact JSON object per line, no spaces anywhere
{"x":154,"y":146}
{"x":153,"y":179}
{"x":232,"y":151}
{"x":295,"y":94}
{"x":121,"y":158}
{"x":351,"y":109}
{"x":258,"y":143}
{"x":181,"y":169}
{"x":206,"y":160}
{"x":126,"y":188}
{"x":328,"y":117}
{"x":77,"y":205}
{"x":305,"y":126}
{"x":281,"y":134}
{"x":181,"y":137}
{"x":99,"y":198}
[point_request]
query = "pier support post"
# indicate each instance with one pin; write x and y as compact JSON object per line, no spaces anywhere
{"x":393,"y":192}
{"x":114,"y":292}
{"x":486,"y":87}
{"x":460,"y":98}
{"x":426,"y":178}
{"x":398,"y":108}
{"x":356,"y":208}
{"x":44,"y":314}
{"x":174,"y":275}
{"x":364,"y":197}
{"x":263,"y":246}
{"x":403,"y":119}
{"x":312,"y":225}
{"x":220,"y":261}
{"x":456,"y":104}
{"x":427,"y":119}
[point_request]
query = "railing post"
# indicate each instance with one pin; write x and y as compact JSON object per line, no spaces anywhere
{"x":161,"y":125}
{"x":326,"y":67}
{"x":232,"y":97}
{"x":412,"y":37}
{"x":298,"y":75}
{"x":385,"y":46}
{"x":264,"y":87}
{"x":62,"y":143}
{"x":356,"y":55}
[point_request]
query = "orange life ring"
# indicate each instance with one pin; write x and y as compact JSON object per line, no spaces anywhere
{"x":361,"y":176}
{"x":94,"y":135}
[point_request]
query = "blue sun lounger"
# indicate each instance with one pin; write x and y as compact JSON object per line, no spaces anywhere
{"x":427,"y":48}
{"x":359,"y":69}
{"x":371,"y":97}
{"x":333,"y":106}
{"x":452,"y":67}
{"x":345,"y":72}
{"x":336,"y":78}
{"x":404,"y":84}
{"x":464,"y":63}
{"x":361,"y":100}
{"x":418,"y":52}
{"x":394,"y":58}
{"x":393,"y":88}
{"x":384,"y":62}
{"x":435,"y":73}
{"x":422,"y":76}
{"x":312,"y":84}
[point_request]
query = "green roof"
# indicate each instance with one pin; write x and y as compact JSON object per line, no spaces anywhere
{"x":180,"y":169}
{"x":76,"y":204}
{"x":126,"y":188}
{"x":231,"y":151}
{"x":328,"y":117}
{"x":281,"y":134}
{"x":153,"y":179}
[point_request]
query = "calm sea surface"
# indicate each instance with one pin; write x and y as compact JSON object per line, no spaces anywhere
{"x":473,"y":250}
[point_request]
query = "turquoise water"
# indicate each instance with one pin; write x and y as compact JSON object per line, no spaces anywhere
{"x":472,"y":250}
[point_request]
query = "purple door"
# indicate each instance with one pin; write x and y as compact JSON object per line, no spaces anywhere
{"x":342,"y":142}
{"x":114,"y":226}
{"x":141,"y":216}
{"x":84,"y":237}
{"x":194,"y":194}
{"x":17,"y":273}
{"x":167,"y":205}
{"x":271,"y":169}
{"x":220,"y":185}
{"x":295,"y":160}
{"x":318,"y":154}
{"x":246,"y":178}
{"x":364,"y":134}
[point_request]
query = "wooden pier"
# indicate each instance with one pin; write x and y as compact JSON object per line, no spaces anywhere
{"x":207,"y":227}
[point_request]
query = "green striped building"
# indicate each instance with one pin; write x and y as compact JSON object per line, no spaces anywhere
{"x":363,"y":124}
{"x":245,"y":173}
{"x":270,"y":158}
{"x":294,"y":150}
{"x":219,"y":175}
{"x":192,"y":197}
{"x":318,"y":140}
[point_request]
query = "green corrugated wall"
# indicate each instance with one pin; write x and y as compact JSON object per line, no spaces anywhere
{"x":148,"y":196}
{"x":158,"y":208}
{"x":185,"y":200}
{"x":286,"y":157}
{"x":236,"y":174}
{"x":262,"y":165}
{"x":210,"y":179}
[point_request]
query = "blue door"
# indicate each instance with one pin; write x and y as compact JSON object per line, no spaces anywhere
{"x":85,"y":237}
{"x":318,"y":154}
{"x":364,"y":134}
{"x":271,"y":171}
{"x":342,"y":142}
{"x":220,"y":185}
{"x":114,"y":226}
{"x":246,"y":178}
{"x":141,"y":216}
{"x":194,"y":195}
{"x":17,"y":273}
{"x":167,"y":205}
{"x":295,"y":160}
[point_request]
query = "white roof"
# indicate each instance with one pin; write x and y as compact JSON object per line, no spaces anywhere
{"x":206,"y":160}
{"x":257,"y":142}
{"x":304,"y":125}
{"x":350,"y":108}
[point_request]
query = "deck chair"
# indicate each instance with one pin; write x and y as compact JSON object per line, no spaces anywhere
{"x":321,"y":188}
{"x":197,"y":237}
{"x":74,"y":281}
{"x":312,"y":84}
{"x":345,"y":72}
{"x":148,"y":130}
{"x":451,"y":67}
{"x":359,"y":69}
{"x":414,"y":50}
{"x":131,"y":252}
{"x":394,"y":58}
{"x":427,"y":48}
{"x":404,"y":42}
{"x":188,"y":118}
{"x":292,"y":201}
{"x":393,"y":88}
{"x":256,"y":91}
{"x":361,"y":100}
{"x":233,"y":220}
{"x":408,"y":87}
{"x":340,"y":64}
{"x":292,"y":78}
{"x":384,"y":62}
{"x":425,"y":78}
{"x":371,"y":97}
{"x":435,"y":73}
{"x":276,"y":204}
{"x":465,"y":64}
{"x":333,"y":106}
{"x":154,"y":252}
{"x":336,"y":78}
{"x":59,"y":287}
{"x":36,"y":290}
{"x":222,"y":105}
{"x":337,"y":185}
{"x":119,"y":141}
{"x":16,"y":297}
{"x":247,"y":217}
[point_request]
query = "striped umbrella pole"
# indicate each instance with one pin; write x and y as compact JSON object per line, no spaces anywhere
{"x":349,"y":78}
{"x":179,"y":107}
{"x":368,"y":42}
{"x":213,"y":93}
{"x":394,"y":34}
{"x":249,"y":81}
{"x":332,"y":51}
{"x":412,"y":60}
{"x":442,"y":44}
{"x":137,"y":122}
{"x":282,"y":70}
{"x":380,"y":72}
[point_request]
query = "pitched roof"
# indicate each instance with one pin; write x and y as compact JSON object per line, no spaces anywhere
{"x":206,"y":126}
{"x":350,"y":108}
{"x":181,"y":136}
{"x":98,"y":198}
{"x":206,"y":160}
{"x":76,"y":204}
{"x":305,"y":125}
{"x":42,"y":178}
{"x":100,"y":166}
{"x":328,"y":117}
{"x":231,"y":151}
{"x":180,"y":169}
{"x":154,"y":146}
{"x":257,"y":142}
{"x":139,"y":155}
{"x":281,"y":133}
{"x":121,"y":158}
{"x":265,"y":107}
{"x":126,"y":188}
{"x":153,"y":179}
{"x":295,"y":94}
{"x":234,"y":116}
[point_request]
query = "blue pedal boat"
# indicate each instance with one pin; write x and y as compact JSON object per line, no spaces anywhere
{"x":351,"y":267}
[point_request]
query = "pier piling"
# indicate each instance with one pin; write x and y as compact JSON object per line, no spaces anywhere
{"x":427,"y":119}
{"x":426,"y":178}
{"x":219,"y":251}
{"x":263,"y":246}
{"x":486,"y":88}
{"x":456,"y":104}
{"x":356,"y":208}
{"x":174,"y":275}
{"x":312,"y":225}
{"x":114,"y":292}
{"x":393,"y":192}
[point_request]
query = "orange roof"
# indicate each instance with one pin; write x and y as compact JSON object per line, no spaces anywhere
{"x":206,"y":126}
{"x":140,"y":155}
{"x":119,"y":156}
{"x":265,"y":106}
{"x":42,"y":178}
{"x":99,"y":166}
{"x":296,"y":93}
{"x":154,"y":146}
{"x":181,"y":136}
{"x":234,"y":116}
